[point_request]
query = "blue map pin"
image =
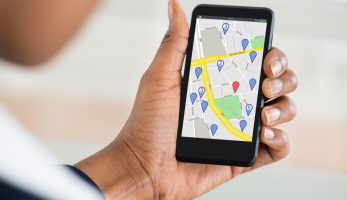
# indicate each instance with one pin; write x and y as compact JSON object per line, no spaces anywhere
{"x":244,"y":43}
{"x":193,"y":97}
{"x":198,"y":71}
{"x":253,"y":55}
{"x":243,"y":124}
{"x":252,"y":83}
{"x":201,"y":91}
{"x":225,"y":28}
{"x":220,"y":64}
{"x":204,"y":105}
{"x":249,"y":109}
{"x":214,"y":129}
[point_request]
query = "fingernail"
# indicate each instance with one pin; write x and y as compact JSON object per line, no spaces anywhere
{"x":272,"y":115}
{"x":269,"y":134}
{"x":276,"y":67}
{"x":275,"y":86}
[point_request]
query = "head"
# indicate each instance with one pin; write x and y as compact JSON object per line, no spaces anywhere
{"x":32,"y":31}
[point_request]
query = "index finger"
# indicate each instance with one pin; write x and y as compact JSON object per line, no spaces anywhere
{"x":275,"y":63}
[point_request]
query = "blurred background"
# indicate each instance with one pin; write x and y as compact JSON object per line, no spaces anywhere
{"x":77,"y":103}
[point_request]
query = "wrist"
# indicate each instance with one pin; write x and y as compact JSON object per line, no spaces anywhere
{"x":118,"y":173}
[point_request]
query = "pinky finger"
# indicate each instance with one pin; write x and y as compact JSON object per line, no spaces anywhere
{"x":276,"y":141}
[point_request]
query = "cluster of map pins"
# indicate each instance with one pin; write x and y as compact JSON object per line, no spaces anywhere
{"x":252,"y":54}
{"x":204,"y":104}
{"x":225,"y":28}
{"x":194,"y":96}
{"x":244,"y":44}
{"x":235,"y":84}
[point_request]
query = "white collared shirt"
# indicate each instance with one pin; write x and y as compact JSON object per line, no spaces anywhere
{"x":25,"y":164}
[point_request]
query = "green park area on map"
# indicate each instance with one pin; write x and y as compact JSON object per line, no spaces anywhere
{"x":230,"y":106}
{"x":258,"y":42}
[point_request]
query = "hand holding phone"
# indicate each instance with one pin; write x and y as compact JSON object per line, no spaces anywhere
{"x":145,"y":148}
{"x":222,"y":86}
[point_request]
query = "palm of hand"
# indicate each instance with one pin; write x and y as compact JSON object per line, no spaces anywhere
{"x":154,"y":123}
{"x":156,"y":117}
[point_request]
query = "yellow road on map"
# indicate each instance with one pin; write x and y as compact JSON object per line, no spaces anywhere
{"x":211,"y":59}
{"x":209,"y":92}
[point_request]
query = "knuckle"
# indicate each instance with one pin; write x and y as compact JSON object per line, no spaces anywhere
{"x":290,"y":104}
{"x":294,"y":79}
{"x":175,"y":40}
{"x":283,"y":135}
{"x":284,"y":143}
{"x":284,"y":58}
{"x":171,"y":35}
{"x":166,"y":38}
{"x":145,"y":77}
{"x":277,"y":54}
{"x":288,"y":107}
{"x":285,"y":152}
{"x":286,"y":149}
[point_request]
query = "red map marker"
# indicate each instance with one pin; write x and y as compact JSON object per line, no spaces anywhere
{"x":235,"y":85}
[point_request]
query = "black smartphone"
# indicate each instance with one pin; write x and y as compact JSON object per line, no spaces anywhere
{"x":221,"y":96}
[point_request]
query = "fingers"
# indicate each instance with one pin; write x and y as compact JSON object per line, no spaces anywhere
{"x":275,"y":63}
{"x":274,"y":146}
{"x":281,"y":85}
{"x":277,"y":143}
{"x":280,"y":111}
{"x":280,"y":80}
{"x":173,"y":47}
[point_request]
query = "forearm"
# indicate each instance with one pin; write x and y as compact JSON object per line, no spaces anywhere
{"x":117,"y":172}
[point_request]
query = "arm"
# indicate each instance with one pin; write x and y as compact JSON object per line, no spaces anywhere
{"x":32,"y":31}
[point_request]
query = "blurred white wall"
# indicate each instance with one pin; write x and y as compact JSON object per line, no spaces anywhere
{"x":118,"y":43}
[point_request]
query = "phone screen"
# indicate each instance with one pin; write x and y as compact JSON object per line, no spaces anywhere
{"x":224,"y":76}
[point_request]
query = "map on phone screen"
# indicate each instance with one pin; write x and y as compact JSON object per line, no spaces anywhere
{"x":223,"y":81}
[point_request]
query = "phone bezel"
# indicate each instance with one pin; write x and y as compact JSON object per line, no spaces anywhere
{"x":222,"y":152}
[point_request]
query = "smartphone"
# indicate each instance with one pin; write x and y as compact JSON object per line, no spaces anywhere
{"x":221,"y":96}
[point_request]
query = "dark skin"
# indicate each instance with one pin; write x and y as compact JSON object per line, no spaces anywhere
{"x":32,"y":31}
{"x":140,"y":163}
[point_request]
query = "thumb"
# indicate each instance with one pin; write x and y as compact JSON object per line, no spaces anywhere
{"x":170,"y":54}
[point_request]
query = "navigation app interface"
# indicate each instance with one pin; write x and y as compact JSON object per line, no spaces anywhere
{"x":224,"y":76}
